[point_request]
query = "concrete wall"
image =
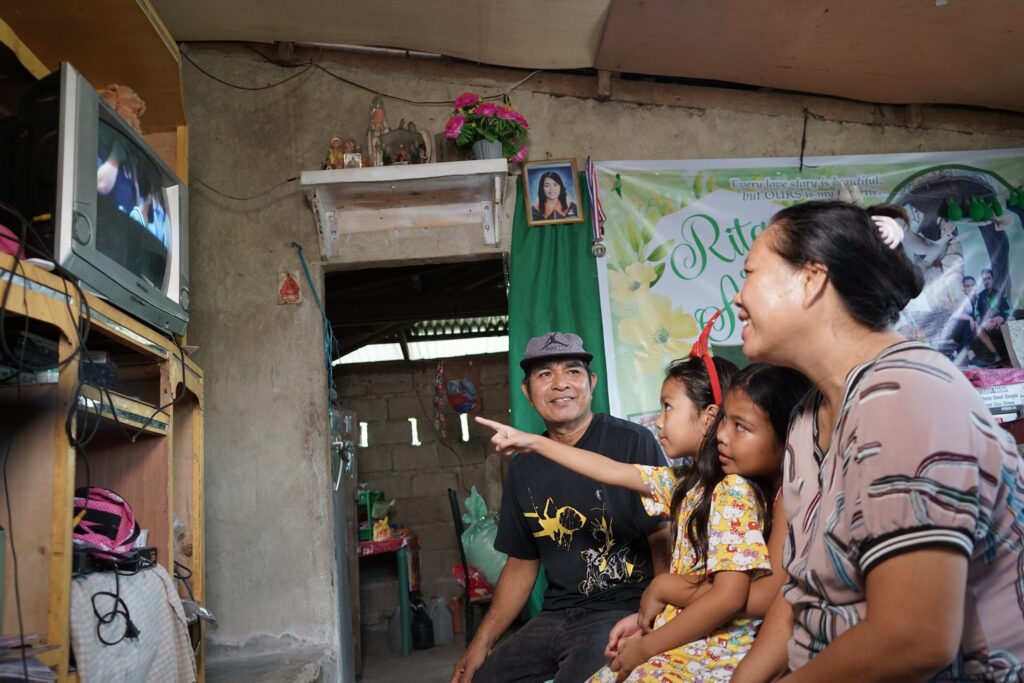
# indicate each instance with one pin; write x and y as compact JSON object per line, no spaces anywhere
{"x":270,"y":571}
{"x":385,"y":396}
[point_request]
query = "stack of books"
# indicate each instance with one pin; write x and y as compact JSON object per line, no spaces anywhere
{"x":18,"y":659}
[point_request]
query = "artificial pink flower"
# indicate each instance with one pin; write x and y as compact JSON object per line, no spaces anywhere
{"x":521,"y":120}
{"x":486,"y":109}
{"x":518,"y":156}
{"x":507,"y":113}
{"x":454,"y":126}
{"x":466,"y":99}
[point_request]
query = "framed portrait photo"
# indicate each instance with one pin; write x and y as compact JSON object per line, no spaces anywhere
{"x":552,"y":193}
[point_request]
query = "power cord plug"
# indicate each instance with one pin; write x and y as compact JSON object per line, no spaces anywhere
{"x":131,"y":631}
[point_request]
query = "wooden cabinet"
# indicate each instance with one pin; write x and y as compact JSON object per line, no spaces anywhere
{"x":151,"y":454}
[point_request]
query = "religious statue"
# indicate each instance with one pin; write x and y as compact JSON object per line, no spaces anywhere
{"x":378,"y":127}
{"x":350,"y":155}
{"x":424,"y":151}
{"x":335,"y":155}
{"x":404,"y":145}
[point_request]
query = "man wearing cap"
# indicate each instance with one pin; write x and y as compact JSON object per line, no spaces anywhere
{"x":594,"y":541}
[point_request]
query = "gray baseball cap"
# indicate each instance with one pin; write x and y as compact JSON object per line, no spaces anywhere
{"x":554,"y":345}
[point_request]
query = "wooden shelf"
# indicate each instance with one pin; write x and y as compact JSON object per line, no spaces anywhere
{"x":161,"y":473}
{"x":131,"y":413}
{"x":121,"y":41}
{"x":50,"y":658}
{"x":384,"y":198}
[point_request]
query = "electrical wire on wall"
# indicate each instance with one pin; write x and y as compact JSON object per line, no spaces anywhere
{"x":311,"y":65}
{"x":261,"y":193}
{"x":808,"y":114}
{"x":330,"y":342}
{"x":306,"y":67}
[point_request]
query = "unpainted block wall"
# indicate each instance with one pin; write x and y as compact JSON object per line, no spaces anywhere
{"x":385,"y":396}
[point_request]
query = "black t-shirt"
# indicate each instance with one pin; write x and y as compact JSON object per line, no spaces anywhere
{"x":992,"y":300}
{"x":591,"y":538}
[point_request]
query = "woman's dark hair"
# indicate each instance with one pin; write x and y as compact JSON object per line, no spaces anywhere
{"x":561,"y":194}
{"x":776,"y":391}
{"x":873,"y":281}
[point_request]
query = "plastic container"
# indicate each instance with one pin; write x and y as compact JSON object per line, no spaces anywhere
{"x":422,"y":627}
{"x":395,"y":631}
{"x":441,"y":616}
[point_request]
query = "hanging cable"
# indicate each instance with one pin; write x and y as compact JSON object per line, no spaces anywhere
{"x":264,"y":193}
{"x":503,"y":96}
{"x":243,"y":87}
{"x":330,"y":342}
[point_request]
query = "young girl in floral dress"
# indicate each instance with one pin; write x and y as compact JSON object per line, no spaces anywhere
{"x":719,"y":536}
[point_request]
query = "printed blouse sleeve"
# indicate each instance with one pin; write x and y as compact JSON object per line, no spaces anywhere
{"x":920,"y":466}
{"x":735,"y":537}
{"x":660,"y":483}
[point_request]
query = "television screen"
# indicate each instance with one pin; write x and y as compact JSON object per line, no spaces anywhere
{"x":118,"y":213}
{"x":132,"y":225}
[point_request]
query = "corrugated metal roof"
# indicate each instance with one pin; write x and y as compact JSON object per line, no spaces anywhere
{"x":495,"y":325}
{"x":442,"y":345}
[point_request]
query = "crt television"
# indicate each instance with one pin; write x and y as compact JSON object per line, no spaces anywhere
{"x":119,"y":213}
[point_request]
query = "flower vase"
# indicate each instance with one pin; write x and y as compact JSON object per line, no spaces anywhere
{"x":487,"y":149}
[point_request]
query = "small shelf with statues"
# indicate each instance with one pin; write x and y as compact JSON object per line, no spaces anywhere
{"x":379,"y":198}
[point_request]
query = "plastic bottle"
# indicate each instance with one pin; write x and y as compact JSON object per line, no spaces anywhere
{"x":422,"y":627}
{"x":444,"y":627}
{"x":395,"y":632}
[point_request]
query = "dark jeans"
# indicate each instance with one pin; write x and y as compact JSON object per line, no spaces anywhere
{"x":567,"y":645}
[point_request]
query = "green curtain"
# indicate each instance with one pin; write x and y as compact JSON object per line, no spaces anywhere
{"x":552,"y":287}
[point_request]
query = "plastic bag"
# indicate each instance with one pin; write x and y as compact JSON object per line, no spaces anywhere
{"x":478,"y":586}
{"x":478,"y":538}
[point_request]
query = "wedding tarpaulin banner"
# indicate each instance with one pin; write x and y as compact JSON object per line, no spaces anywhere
{"x":677,"y":233}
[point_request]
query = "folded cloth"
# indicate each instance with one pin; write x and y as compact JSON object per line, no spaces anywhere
{"x":161,"y":652}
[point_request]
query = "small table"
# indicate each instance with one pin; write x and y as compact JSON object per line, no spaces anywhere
{"x":408,"y":575}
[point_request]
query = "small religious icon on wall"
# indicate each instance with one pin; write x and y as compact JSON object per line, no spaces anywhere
{"x":351,"y":158}
{"x":424,"y":144}
{"x":335,"y":154}
{"x":403,"y":146}
{"x":288,"y":289}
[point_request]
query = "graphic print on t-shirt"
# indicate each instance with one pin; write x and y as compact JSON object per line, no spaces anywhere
{"x":560,"y":526}
{"x":606,"y":565}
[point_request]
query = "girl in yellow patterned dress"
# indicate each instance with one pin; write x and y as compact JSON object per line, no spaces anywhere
{"x":719,"y":538}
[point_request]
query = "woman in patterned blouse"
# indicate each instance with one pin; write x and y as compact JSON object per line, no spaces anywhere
{"x":904,"y":498}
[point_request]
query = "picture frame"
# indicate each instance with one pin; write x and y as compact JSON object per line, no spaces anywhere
{"x":554,"y":209}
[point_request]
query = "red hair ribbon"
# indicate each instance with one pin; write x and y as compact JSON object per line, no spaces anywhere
{"x":700,"y":350}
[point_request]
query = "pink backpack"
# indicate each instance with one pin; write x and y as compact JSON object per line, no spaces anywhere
{"x":107,"y":527}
